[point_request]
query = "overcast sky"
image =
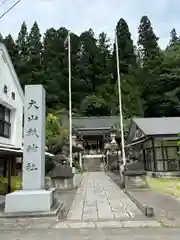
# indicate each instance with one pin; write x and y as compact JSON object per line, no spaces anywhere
{"x":100,"y":15}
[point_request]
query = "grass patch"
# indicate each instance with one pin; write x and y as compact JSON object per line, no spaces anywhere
{"x":169,"y":186}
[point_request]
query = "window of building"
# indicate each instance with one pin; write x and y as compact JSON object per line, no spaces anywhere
{"x":167,"y":159}
{"x":172,"y":159}
{"x":149,"y":164}
{"x":172,"y":153}
{"x":159,"y":153}
{"x":3,"y":167}
{"x":5,"y":125}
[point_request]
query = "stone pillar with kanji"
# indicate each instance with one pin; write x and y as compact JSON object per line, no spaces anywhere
{"x":33,"y":197}
{"x":34,"y":138}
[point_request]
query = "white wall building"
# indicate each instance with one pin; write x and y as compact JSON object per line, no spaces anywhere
{"x":11,"y":103}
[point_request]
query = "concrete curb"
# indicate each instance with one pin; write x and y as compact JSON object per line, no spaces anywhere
{"x":147,"y":210}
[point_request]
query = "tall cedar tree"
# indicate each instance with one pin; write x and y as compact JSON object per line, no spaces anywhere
{"x":22,"y":42}
{"x":106,"y":91}
{"x":148,"y":42}
{"x":12,"y":49}
{"x":94,"y":74}
{"x":88,"y":61}
{"x":150,"y":55}
{"x":55,"y":68}
{"x":77,"y":85}
{"x":127,"y":55}
{"x":128,"y":65}
{"x":22,"y":48}
{"x":103,"y":58}
{"x":36,"y":76}
{"x":1,"y":38}
{"x":174,"y":39}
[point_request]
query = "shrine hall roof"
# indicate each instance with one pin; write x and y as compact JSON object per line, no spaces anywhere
{"x":94,"y":122}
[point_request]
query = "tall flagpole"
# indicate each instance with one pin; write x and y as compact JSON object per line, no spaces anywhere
{"x":70,"y":100}
{"x":120,"y":101}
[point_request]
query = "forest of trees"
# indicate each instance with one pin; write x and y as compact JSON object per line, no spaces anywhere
{"x":150,"y":76}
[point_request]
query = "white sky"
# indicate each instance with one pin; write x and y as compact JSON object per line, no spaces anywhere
{"x":100,"y":15}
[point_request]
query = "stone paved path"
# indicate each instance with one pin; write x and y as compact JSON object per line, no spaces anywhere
{"x":166,"y":207}
{"x":100,"y":198}
{"x":99,"y":204}
{"x":92,"y":234}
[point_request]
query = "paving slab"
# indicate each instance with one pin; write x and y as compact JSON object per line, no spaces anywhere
{"x":107,"y":224}
{"x":26,"y":223}
{"x":166,"y":207}
{"x":98,"y":204}
{"x":93,"y":233}
{"x":98,"y":197}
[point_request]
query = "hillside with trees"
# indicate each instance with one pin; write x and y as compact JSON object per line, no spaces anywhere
{"x":150,"y":76}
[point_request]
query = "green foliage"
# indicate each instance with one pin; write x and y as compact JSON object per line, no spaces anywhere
{"x":55,"y":134}
{"x":148,"y":42}
{"x":178,"y":142}
{"x":49,"y":164}
{"x":174,"y":40}
{"x":149,"y":76}
{"x":93,"y":106}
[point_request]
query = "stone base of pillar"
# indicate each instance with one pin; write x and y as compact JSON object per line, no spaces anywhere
{"x":29,"y":201}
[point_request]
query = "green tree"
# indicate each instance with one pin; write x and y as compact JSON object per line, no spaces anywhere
{"x":103,"y":67}
{"x":174,"y":39}
{"x":89,"y":61}
{"x":151,"y":57}
{"x":22,"y":42}
{"x":55,"y":134}
{"x":22,"y":48}
{"x":127,"y":55}
{"x":148,"y":41}
{"x":56,"y":68}
{"x":131,"y":94}
{"x":34,"y":62}
{"x":132,"y":101}
{"x":93,"y":105}
{"x":168,"y":103}
{"x":104,"y":56}
{"x":109,"y":94}
{"x":78,"y":85}
{"x":149,"y":76}
{"x":1,"y":38}
{"x":12,"y":49}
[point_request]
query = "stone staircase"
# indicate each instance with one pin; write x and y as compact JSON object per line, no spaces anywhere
{"x":93,"y":163}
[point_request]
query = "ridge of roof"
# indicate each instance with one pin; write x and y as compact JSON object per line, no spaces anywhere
{"x":158,"y":126}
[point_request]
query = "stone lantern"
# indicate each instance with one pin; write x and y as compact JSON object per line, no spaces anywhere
{"x":113,"y":143}
{"x":79,"y":148}
{"x":74,"y":140}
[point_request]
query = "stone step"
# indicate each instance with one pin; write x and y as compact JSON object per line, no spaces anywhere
{"x":94,"y":169}
{"x":93,"y":165}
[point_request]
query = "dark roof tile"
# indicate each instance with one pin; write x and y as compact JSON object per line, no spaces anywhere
{"x":159,"y":126}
